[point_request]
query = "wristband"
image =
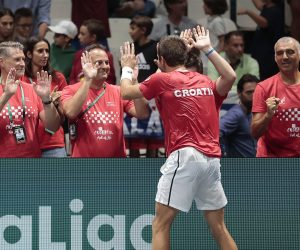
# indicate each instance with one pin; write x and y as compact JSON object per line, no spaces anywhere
{"x":209,"y":52}
{"x":47,"y":102}
{"x":127,"y":73}
{"x":49,"y":131}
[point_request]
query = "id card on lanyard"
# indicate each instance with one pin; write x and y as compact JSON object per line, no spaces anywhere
{"x":72,"y":126}
{"x":18,"y":129}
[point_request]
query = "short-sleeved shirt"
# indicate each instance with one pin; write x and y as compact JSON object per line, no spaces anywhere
{"x":33,"y":106}
{"x":100,"y":129}
{"x":282,"y":137}
{"x":189,"y":107}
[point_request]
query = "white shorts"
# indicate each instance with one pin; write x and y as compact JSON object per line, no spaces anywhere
{"x":189,"y":175}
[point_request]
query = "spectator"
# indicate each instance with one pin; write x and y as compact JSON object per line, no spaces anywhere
{"x":6,"y":25}
{"x":188,"y":103}
{"x":23,"y":25}
{"x":141,"y":135}
{"x":37,"y":52}
{"x":175,"y":22}
{"x":96,"y":110}
{"x":131,"y":8}
{"x":22,"y":106}
{"x":217,"y":25}
{"x":270,"y":27}
{"x":241,"y":62}
{"x":235,"y":135}
{"x":40,"y":9}
{"x":91,"y":31}
{"x":276,"y":105}
{"x":62,"y":52}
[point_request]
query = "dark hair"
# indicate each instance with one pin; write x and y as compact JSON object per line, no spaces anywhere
{"x":22,"y":12}
{"x":173,"y":50}
{"x":244,"y":79}
{"x":194,"y":60}
{"x":95,"y":27}
{"x":169,"y":2}
{"x":29,"y":47}
{"x":217,"y":7}
{"x":6,"y":11}
{"x":143,"y":22}
{"x":233,"y":33}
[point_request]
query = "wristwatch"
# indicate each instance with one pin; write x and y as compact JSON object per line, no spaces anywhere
{"x":48,"y":102}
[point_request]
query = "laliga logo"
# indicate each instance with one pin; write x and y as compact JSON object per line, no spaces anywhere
{"x":117,"y":223}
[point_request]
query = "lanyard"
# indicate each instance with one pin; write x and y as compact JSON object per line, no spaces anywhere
{"x":23,"y":105}
{"x":94,"y":102}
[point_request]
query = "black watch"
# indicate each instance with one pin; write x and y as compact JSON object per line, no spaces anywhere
{"x":47,"y":102}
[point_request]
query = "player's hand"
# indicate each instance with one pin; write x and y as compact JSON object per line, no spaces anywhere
{"x":11,"y":84}
{"x":201,"y":39}
{"x":89,"y":70}
{"x":128,"y":57}
{"x":42,"y":85}
{"x":272,"y":105}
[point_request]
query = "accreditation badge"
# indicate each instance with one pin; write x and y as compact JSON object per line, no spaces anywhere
{"x":19,"y":132}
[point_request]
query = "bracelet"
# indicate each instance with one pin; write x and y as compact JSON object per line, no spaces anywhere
{"x":209,"y":52}
{"x":49,"y":131}
{"x":127,"y":73}
{"x":47,"y":102}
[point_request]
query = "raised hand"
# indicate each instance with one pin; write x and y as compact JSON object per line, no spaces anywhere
{"x":11,"y":84}
{"x":186,"y":35}
{"x":128,"y":57}
{"x":201,"y":40}
{"x":89,"y":70}
{"x":42,"y":85}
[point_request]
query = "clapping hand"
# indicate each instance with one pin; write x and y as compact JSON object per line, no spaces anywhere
{"x":89,"y":70}
{"x":11,"y":84}
{"x":128,"y":57}
{"x":42,"y":85}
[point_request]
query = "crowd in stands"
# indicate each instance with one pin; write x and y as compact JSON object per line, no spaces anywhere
{"x":73,"y":81}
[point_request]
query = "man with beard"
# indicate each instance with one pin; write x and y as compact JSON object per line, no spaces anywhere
{"x":235,"y":133}
{"x":234,"y":53}
{"x":241,"y":62}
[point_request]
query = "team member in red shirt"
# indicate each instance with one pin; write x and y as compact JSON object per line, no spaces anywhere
{"x":37,"y":51}
{"x":276,"y":105}
{"x":22,"y":106}
{"x":96,"y":109}
{"x":188,"y":103}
